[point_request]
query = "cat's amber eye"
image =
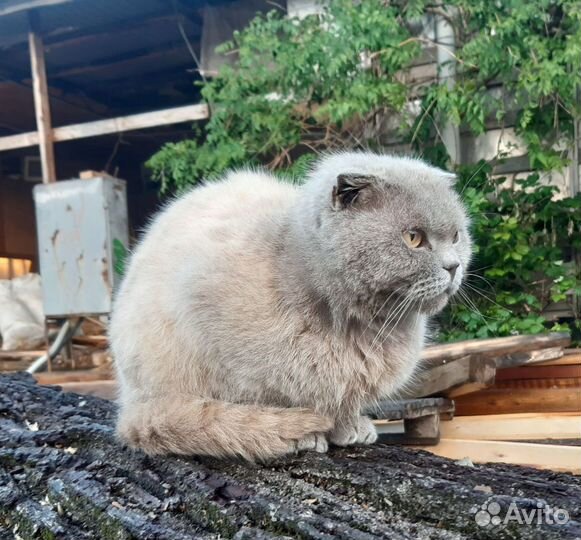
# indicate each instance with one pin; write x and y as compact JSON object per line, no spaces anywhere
{"x":456,"y":237}
{"x":414,"y":239}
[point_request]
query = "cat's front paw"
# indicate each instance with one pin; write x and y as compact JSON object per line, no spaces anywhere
{"x":361,"y":431}
{"x":366,"y":432}
{"x":314,"y":441}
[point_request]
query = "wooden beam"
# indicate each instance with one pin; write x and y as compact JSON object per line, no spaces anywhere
{"x":539,"y":372}
{"x":495,"y":347}
{"x":540,"y":456}
{"x":41,"y":102}
{"x":571,"y":358}
{"x":469,"y":373}
{"x":103,"y":389}
{"x":514,"y":427}
{"x":518,"y":400}
{"x":19,"y":355}
{"x":74,"y":376}
{"x":410,"y":409}
{"x":529,"y":358}
{"x":164,"y":117}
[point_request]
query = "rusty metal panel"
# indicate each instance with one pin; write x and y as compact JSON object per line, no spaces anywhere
{"x":82,"y":243}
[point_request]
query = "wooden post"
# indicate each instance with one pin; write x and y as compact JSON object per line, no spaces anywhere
{"x":41,"y":101}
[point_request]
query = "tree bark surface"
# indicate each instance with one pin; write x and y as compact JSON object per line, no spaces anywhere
{"x":63,"y":475}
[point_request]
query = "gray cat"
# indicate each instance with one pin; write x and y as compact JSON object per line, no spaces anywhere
{"x":257,"y":318}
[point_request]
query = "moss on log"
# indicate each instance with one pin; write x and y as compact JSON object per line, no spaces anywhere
{"x":63,"y":475}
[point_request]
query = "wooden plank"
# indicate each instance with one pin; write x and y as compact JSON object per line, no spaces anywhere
{"x":470,"y":373}
{"x":81,"y":375}
{"x":539,"y":372}
{"x":41,"y":102}
{"x":529,"y":358}
{"x":22,"y":140}
{"x":411,"y":408}
{"x":540,"y":456}
{"x":7,"y":366}
{"x":513,"y":400}
{"x":563,"y":361}
{"x":18,"y":355}
{"x":514,"y":427}
{"x":571,"y":358}
{"x":496,"y":347}
{"x":563,"y":382}
{"x":164,"y":117}
{"x":103,"y":389}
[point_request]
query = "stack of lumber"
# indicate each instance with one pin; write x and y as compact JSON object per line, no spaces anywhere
{"x":517,"y":400}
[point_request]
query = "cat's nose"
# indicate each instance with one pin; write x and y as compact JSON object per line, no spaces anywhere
{"x":451,"y":269}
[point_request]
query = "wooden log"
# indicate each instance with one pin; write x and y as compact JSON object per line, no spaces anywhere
{"x":63,"y":475}
{"x":512,"y":400}
{"x":514,"y":427}
{"x":543,"y":456}
{"x":41,"y":102}
{"x":439,"y":354}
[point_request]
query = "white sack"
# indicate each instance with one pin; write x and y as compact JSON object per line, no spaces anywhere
{"x":18,"y":327}
{"x":28,"y":290}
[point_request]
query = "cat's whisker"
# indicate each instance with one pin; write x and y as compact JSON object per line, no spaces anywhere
{"x":487,"y":298}
{"x":407,"y":304}
{"x":382,"y":306}
{"x":473,"y":176}
{"x":388,"y":319}
{"x":471,"y":305}
{"x":487,"y":281}
{"x":391,"y":315}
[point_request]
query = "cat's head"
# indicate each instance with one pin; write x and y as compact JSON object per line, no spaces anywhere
{"x":389,"y":226}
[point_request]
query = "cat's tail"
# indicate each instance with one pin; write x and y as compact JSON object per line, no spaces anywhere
{"x":216,"y":428}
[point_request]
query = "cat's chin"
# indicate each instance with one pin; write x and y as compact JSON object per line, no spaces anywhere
{"x":434,"y":305}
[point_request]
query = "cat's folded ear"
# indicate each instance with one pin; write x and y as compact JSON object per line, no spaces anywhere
{"x":352,"y":190}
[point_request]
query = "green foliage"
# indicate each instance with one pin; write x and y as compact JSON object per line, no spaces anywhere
{"x":521,"y":238}
{"x":338,"y":80}
{"x":298,"y":86}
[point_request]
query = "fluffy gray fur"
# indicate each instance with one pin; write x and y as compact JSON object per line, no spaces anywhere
{"x":258,"y":318}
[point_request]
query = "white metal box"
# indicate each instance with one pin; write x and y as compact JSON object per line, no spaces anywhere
{"x":82,"y":243}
